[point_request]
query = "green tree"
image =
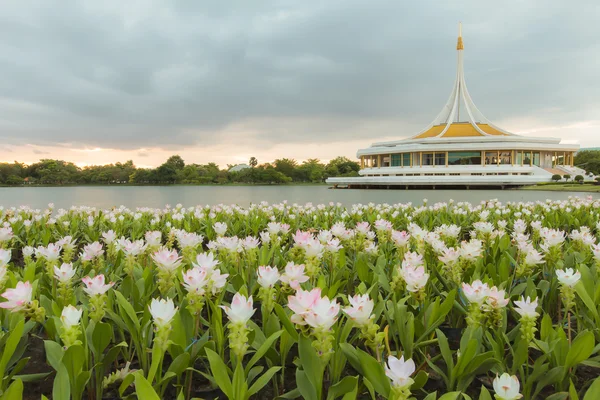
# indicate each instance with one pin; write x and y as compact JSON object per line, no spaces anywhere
{"x":176,"y":162}
{"x":253,"y":162}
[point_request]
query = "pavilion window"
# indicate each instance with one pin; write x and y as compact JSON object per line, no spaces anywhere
{"x":536,"y":159}
{"x":385,"y":161}
{"x":427,"y":159}
{"x":519,"y":158}
{"x":505,"y":157}
{"x":527,"y":158}
{"x":464,"y":158}
{"x":440,"y":158}
{"x":560,"y":160}
{"x":406,"y":159}
{"x":374,"y":161}
{"x":396,"y":160}
{"x":491,"y":158}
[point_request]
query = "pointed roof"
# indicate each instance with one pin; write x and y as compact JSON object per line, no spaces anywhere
{"x":448,"y":123}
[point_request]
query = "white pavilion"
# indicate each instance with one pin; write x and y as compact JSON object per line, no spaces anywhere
{"x":468,"y":153}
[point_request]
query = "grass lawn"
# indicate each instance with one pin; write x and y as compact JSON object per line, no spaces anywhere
{"x":564,"y":187}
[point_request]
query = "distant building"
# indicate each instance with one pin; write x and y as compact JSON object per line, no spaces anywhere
{"x":471,"y":152}
{"x":239,"y":167}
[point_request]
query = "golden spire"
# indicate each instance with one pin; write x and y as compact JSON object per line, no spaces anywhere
{"x":459,"y":45}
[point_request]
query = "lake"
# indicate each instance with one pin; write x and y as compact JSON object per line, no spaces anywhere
{"x":158,"y":196}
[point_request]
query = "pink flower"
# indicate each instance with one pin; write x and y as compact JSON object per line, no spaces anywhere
{"x":18,"y":297}
{"x":322,"y":314}
{"x":167,"y":259}
{"x":301,"y":238}
{"x":206,"y":261}
{"x":95,"y":285}
{"x":400,"y":239}
{"x":65,"y":272}
{"x":496,"y":298}
{"x":267,"y":276}
{"x":363,"y":227}
{"x":360,"y":309}
{"x":153,"y":238}
{"x":195,"y":280}
{"x":302,"y":303}
{"x":5,"y":256}
{"x":415,"y":277}
{"x":293,"y":275}
{"x":92,"y":250}
{"x":241,"y":309}
{"x":476,"y":292}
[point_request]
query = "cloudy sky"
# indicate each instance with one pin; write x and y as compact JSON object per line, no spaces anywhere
{"x":104,"y":81}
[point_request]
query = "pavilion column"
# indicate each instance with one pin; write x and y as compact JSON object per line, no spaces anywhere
{"x":378,"y":160}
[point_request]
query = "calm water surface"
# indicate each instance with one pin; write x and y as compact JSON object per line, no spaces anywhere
{"x":158,"y":196}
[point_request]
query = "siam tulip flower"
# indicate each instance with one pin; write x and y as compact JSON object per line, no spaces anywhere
{"x":363,"y":227}
{"x":18,"y":298}
{"x":360,"y":310}
{"x":496,"y":298}
{"x":415,"y":278}
{"x":333,"y":245}
{"x":323,"y":314}
{"x":109,"y":236}
{"x":206,"y":261}
{"x":268,"y":276}
{"x":568,"y":277}
{"x":67,"y":243}
{"x":153,"y":238}
{"x":507,"y":387}
{"x":476,"y":293}
{"x":93,"y":250}
{"x":196,"y":280}
{"x":95,"y":286}
{"x":132,"y":249}
{"x":6,"y":234}
{"x":189,"y":240}
{"x":28,"y":252}
{"x":399,"y":372}
{"x":231,"y":244}
{"x":51,"y":253}
{"x":70,"y":316}
{"x":383,"y":225}
{"x":302,"y":303}
{"x":401,"y":238}
{"x":371,"y":248}
{"x":217,"y":281}
{"x":413,"y":259}
{"x":273,"y":228}
{"x":167,"y":259}
{"x":449,"y":256}
{"x":526,"y":307}
{"x":162,"y":311}
{"x":294,"y":275}
{"x":65,"y":273}
{"x":249,"y":243}
{"x":471,"y":250}
{"x":5,"y":256}
{"x":241,"y":309}
{"x":314,"y":249}
{"x":265,"y":238}
{"x":220,"y":228}
{"x":301,"y":238}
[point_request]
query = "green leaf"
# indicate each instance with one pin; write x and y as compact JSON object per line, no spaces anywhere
{"x":219,"y":372}
{"x":419,"y":380}
{"x":262,"y":381}
{"x":375,"y":373}
{"x":101,"y":337}
{"x":311,"y":363}
{"x":54,"y":353}
{"x":484,"y":394}
{"x":61,"y":390}
{"x":14,"y":391}
{"x":285,"y":321}
{"x":450,"y":396}
{"x":128,"y":308}
{"x":587,"y":300}
{"x":345,"y":386}
{"x":572,"y":391}
{"x":263,"y":349}
{"x":445,"y":350}
{"x":143,"y":388}
{"x":307,"y":390}
{"x":581,"y":349}
{"x":10,"y":346}
{"x":180,"y":364}
{"x":239,"y":382}
{"x":593,"y":393}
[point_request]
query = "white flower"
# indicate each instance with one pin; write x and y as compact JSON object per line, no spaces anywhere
{"x":267,"y":276}
{"x":399,"y":371}
{"x":18,"y":297}
{"x":109,"y":236}
{"x":568,"y":277}
{"x":220,"y":228}
{"x":527,"y":308}
{"x":65,"y":272}
{"x":95,"y":286}
{"x":323,"y":314}
{"x":162,"y":311}
{"x":293,"y":275}
{"x":496,"y":298}
{"x":196,"y":280}
{"x":507,"y":387}
{"x":167,"y":259}
{"x":153,"y":238}
{"x":5,"y":256}
{"x":476,"y":292}
{"x":415,"y":277}
{"x":361,"y":307}
{"x":70,"y":316}
{"x":241,"y":309}
{"x":206,"y":261}
{"x":6,"y":234}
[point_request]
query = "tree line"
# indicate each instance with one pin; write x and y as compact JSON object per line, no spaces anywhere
{"x":173,"y":171}
{"x":588,"y":160}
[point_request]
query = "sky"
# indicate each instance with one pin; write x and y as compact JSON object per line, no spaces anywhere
{"x":96,"y":82}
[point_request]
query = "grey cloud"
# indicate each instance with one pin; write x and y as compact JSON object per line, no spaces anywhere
{"x":172,"y":74}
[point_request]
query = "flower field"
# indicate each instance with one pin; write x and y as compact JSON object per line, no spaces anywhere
{"x":443,"y":301}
